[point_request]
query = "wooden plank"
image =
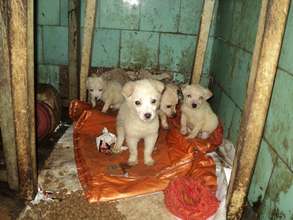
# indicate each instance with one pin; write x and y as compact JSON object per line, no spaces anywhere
{"x":266,"y":61}
{"x":202,"y":42}
{"x":73,"y":47}
{"x":90,"y":17}
{"x":31,"y":93}
{"x":20,"y":56}
{"x":6,"y":114}
{"x":3,"y":176}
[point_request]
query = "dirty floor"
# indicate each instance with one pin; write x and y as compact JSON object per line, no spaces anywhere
{"x":59,"y":174}
{"x":59,"y":177}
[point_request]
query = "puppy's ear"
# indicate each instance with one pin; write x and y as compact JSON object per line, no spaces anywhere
{"x":206,"y":93}
{"x":128,"y":89}
{"x":158,"y":85}
{"x":183,"y":88}
{"x":88,"y":82}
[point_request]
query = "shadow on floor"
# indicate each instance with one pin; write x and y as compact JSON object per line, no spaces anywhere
{"x":10,"y":203}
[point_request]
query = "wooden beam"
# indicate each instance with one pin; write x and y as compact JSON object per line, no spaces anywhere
{"x":6,"y":113}
{"x":259,"y":94}
{"x":3,"y":176}
{"x":73,"y":47}
{"x":21,"y":62}
{"x":31,"y":94}
{"x":89,"y":26}
{"x":202,"y":42}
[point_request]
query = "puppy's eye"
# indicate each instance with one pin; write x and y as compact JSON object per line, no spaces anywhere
{"x":137,"y":102}
{"x":154,"y":101}
{"x":188,"y":96}
{"x":201,"y":98}
{"x":100,"y":90}
{"x":91,"y":90}
{"x":168,"y":106}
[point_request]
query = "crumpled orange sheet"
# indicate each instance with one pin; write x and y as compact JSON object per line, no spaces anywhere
{"x":175,"y":156}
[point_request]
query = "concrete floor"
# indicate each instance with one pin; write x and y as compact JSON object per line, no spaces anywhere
{"x":59,"y":174}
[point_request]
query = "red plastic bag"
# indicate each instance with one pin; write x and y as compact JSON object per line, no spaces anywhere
{"x":188,"y":199}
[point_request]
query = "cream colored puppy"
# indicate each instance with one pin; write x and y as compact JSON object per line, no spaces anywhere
{"x":138,"y":119}
{"x":197,"y":119}
{"x":168,"y":104}
{"x":106,"y":90}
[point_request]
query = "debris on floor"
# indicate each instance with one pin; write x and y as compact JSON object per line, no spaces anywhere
{"x":60,"y":178}
{"x":72,"y":206}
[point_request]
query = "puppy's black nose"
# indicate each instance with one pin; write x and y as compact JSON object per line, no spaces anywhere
{"x":147,"y":115}
{"x":173,"y":115}
{"x":194,"y":105}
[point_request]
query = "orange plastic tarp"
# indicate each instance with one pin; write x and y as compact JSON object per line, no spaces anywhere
{"x":102,"y":175}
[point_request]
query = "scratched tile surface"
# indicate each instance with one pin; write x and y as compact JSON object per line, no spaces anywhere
{"x":277,"y":202}
{"x":106,"y":48}
{"x":48,"y":12}
{"x":279,"y":127}
{"x":177,"y":52}
{"x":139,"y":49}
{"x":119,"y":14}
{"x":262,"y":173}
{"x":160,"y":15}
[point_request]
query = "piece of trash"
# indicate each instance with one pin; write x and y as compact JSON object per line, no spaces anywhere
{"x":120,"y":169}
{"x":106,"y":141}
{"x":42,"y":195}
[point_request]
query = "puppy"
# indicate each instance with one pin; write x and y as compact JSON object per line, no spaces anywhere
{"x":168,"y":104}
{"x":145,"y":74}
{"x":116,"y":74}
{"x":197,"y":119}
{"x":138,"y":119}
{"x":109,"y":91}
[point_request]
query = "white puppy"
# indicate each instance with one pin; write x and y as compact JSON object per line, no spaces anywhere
{"x":197,"y":119}
{"x":108,"y":91}
{"x":138,"y":119}
{"x":168,"y":104}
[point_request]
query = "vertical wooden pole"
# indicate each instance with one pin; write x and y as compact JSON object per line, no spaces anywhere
{"x":73,"y":47}
{"x":202,"y":42}
{"x":21,"y":62}
{"x":31,"y":93}
{"x":90,"y":16}
{"x":6,"y":113}
{"x":258,"y":97}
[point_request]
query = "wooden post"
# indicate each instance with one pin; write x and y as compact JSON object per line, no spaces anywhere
{"x":73,"y":47}
{"x":31,"y":95}
{"x":3,"y":176}
{"x":21,"y":63}
{"x":202,"y":42}
{"x":6,"y":113}
{"x":266,"y":57}
{"x":89,"y":26}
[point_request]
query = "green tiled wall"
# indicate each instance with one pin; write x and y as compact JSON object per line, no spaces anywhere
{"x":153,"y":34}
{"x":231,"y":58}
{"x":271,"y":189}
{"x":162,"y":35}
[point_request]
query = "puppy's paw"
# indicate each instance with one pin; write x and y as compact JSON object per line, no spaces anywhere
{"x":165,"y":126}
{"x":183,"y":131}
{"x":191,"y":136}
{"x":204,"y":135}
{"x":132,"y":162}
{"x":149,"y":162}
{"x":104,"y":110}
{"x":93,"y":104}
{"x":116,"y":149}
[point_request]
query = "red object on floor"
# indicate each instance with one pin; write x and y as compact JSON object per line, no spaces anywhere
{"x":45,"y":117}
{"x":189,"y":199}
